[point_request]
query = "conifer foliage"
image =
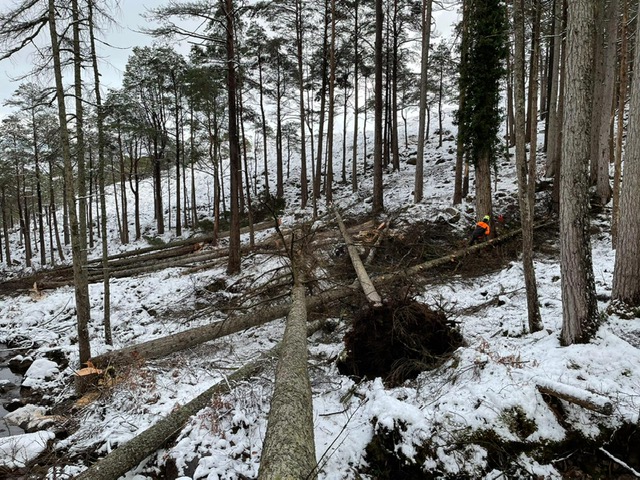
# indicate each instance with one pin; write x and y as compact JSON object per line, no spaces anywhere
{"x":480,"y":75}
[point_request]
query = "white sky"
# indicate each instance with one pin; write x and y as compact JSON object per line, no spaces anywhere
{"x":120,"y":40}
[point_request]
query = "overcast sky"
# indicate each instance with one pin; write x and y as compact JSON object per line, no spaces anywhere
{"x":114,"y":54}
{"x":120,"y":40}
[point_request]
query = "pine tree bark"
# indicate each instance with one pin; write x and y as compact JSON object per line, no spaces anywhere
{"x":626,"y":274}
{"x":553,"y":120}
{"x":233,"y":265}
{"x":622,"y":101}
{"x":332,"y":104}
{"x":378,"y":201}
{"x":526,"y":173}
{"x":605,"y":61}
{"x":459,"y":190}
{"x":304,"y":193}
{"x":579,"y":305}
{"x":288,"y":451}
{"x":356,"y":80}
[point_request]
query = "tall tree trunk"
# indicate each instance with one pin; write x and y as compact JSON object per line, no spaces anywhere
{"x":344,"y":132}
{"x":106,"y":302}
{"x":79,"y":123}
{"x":194,"y":204}
{"x":459,"y":190}
{"x":418,"y":188}
{"x":622,"y":101}
{"x":526,"y":175}
{"x":317,"y":176}
{"x":176,"y":99}
{"x":246,"y":170}
{"x":579,"y":305}
{"x":553,"y":119}
{"x":304,"y":194}
{"x":378,"y":202}
{"x":395,"y":154}
{"x":606,"y":51}
{"x":89,"y":198}
{"x":264,"y":128}
{"x":356,"y":80}
{"x":123,"y":193}
{"x":5,"y":227}
{"x":54,"y":213}
{"x":23,"y":215}
{"x":626,"y":274}
{"x":279,"y":146}
{"x":233,"y":265}
{"x":79,"y":270}
{"x":36,"y":156}
{"x":558,"y":138}
{"x":116,"y":203}
{"x":332,"y":104}
{"x":483,"y":188}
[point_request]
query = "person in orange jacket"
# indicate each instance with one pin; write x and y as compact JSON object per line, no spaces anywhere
{"x":482,"y":230}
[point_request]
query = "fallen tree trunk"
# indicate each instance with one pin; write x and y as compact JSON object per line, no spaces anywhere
{"x":289,"y":450}
{"x":363,"y":277}
{"x":584,"y":398}
{"x":452,"y":257}
{"x":119,"y":461}
{"x":383,"y":230}
{"x":163,"y":346}
{"x":61,"y":276}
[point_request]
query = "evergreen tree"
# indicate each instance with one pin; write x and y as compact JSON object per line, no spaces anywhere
{"x":481,"y":73}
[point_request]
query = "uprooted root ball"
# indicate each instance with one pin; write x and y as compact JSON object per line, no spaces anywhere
{"x":397,"y":341}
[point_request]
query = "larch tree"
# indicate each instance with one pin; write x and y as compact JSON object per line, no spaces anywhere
{"x":626,"y":274}
{"x":579,"y":304}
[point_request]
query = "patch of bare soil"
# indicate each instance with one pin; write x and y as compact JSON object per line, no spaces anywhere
{"x":397,"y":341}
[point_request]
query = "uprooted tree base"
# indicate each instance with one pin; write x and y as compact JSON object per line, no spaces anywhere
{"x":397,"y":341}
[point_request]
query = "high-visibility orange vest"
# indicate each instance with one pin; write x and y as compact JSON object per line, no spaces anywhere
{"x":487,"y":228}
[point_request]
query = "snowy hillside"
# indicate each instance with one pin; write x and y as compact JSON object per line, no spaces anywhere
{"x":480,"y":414}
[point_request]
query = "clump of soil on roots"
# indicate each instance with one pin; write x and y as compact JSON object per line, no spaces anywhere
{"x":397,"y":341}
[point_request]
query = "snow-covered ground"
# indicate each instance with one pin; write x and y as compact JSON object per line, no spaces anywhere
{"x":438,"y":418}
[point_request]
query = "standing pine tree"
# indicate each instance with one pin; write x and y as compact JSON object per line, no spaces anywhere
{"x":481,"y":72}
